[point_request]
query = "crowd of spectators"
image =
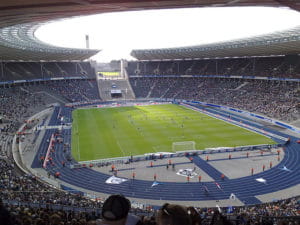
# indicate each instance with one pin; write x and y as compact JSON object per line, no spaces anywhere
{"x":70,"y":90}
{"x":276,"y":99}
{"x":23,"y":211}
{"x":27,"y":188}
{"x":281,"y":66}
{"x":28,"y":200}
{"x":41,"y":70}
{"x":17,"y":105}
{"x":19,"y":102}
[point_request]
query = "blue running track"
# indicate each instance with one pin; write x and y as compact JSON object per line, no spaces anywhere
{"x":244,"y":188}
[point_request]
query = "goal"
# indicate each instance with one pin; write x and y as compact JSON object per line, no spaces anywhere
{"x":183,"y":146}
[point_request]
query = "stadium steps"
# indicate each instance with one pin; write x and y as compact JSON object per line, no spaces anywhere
{"x":242,"y":85}
{"x":163,"y":95}
{"x":210,"y":170}
{"x":130,"y":92}
{"x":150,"y":92}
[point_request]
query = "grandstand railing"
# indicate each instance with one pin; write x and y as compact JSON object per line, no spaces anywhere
{"x":161,"y":155}
{"x":52,"y":206}
{"x":43,"y":79}
{"x":132,"y":76}
{"x":221,"y":76}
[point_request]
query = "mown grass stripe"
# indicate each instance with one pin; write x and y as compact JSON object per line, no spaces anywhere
{"x":136,"y":130}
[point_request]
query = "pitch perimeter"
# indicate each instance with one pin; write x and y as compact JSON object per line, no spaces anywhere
{"x":135,"y":130}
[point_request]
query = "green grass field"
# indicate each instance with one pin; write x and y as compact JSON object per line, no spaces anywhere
{"x":124,"y":131}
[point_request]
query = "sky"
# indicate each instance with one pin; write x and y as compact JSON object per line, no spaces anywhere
{"x":116,"y":34}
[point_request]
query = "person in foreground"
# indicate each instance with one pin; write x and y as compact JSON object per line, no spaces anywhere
{"x":171,"y":214}
{"x":115,"y":211}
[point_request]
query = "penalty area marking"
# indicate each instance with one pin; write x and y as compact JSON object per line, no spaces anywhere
{"x":159,"y":148}
{"x":174,"y":138}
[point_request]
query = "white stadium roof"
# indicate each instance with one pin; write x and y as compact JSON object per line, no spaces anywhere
{"x":279,"y":43}
{"x":18,"y":43}
{"x":19,"y":19}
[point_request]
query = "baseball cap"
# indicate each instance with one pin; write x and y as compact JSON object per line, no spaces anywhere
{"x":115,"y":207}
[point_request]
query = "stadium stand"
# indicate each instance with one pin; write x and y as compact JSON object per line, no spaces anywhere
{"x":70,"y":90}
{"x":48,"y":204}
{"x":44,"y":70}
{"x":107,"y":86}
{"x":27,"y":199}
{"x":42,"y":95}
{"x":281,"y":66}
{"x":54,"y":199}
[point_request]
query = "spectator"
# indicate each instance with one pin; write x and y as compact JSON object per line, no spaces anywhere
{"x":171,"y":214}
{"x":5,"y":218}
{"x":219,"y":219}
{"x":115,"y":211}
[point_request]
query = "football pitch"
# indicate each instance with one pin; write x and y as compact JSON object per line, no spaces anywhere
{"x":100,"y":133}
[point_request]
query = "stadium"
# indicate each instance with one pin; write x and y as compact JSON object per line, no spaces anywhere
{"x":213,"y":126}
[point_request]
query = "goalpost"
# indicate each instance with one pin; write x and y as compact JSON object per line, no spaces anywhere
{"x":183,"y":146}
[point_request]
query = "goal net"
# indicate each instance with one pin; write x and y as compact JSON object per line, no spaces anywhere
{"x":183,"y":146}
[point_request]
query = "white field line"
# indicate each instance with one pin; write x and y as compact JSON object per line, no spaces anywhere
{"x":121,"y":148}
{"x":235,"y":123}
{"x":77,"y":138}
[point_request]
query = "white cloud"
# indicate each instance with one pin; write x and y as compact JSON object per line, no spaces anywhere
{"x":118,"y":33}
